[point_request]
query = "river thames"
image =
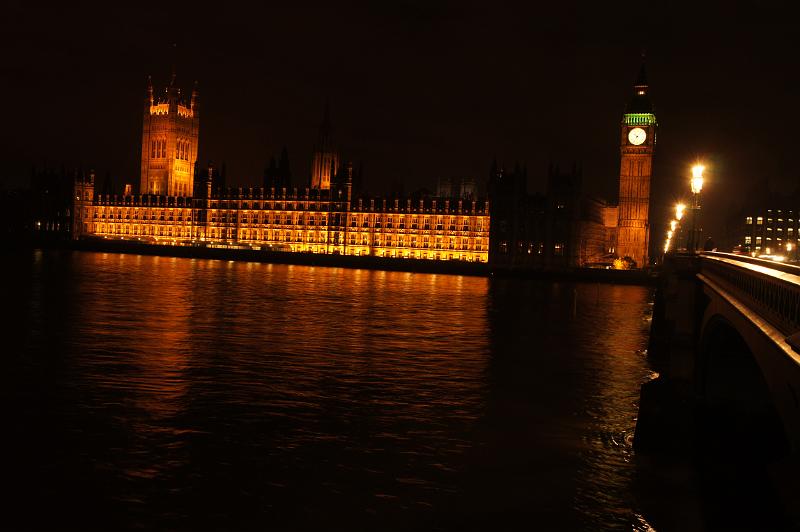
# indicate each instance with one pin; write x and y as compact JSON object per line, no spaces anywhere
{"x":185,"y":394}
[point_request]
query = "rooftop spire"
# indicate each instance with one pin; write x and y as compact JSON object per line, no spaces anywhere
{"x":174,"y":61}
{"x":149,"y":96}
{"x":641,"y":80}
{"x":640,"y":102}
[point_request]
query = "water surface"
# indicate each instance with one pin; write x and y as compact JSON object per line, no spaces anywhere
{"x":182,"y":394}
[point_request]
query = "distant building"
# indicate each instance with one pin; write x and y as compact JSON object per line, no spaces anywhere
{"x":52,"y":201}
{"x":564,"y":228}
{"x":769,"y":232}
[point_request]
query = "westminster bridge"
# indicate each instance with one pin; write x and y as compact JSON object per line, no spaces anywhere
{"x":725,"y":340}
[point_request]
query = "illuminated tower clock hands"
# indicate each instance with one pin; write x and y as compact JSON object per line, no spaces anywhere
{"x":636,"y":136}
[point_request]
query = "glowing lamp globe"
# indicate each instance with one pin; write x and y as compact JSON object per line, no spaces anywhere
{"x":697,"y":178}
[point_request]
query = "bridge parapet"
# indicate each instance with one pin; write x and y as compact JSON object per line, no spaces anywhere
{"x":770,"y":290}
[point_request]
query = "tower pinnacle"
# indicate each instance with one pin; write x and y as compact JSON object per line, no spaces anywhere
{"x":174,"y":61}
{"x":149,"y":97}
{"x":640,"y":102}
{"x":325,"y":160}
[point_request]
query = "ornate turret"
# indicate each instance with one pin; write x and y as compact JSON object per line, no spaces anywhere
{"x":325,"y":156}
{"x":170,"y":135}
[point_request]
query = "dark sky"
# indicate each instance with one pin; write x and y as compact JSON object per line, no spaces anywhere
{"x":418,"y":89}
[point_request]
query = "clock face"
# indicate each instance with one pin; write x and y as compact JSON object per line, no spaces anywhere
{"x":636,"y":136}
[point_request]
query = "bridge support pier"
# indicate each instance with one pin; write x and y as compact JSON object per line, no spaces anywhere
{"x":725,"y":342}
{"x":667,"y":403}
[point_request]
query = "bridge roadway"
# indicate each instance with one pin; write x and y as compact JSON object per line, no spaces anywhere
{"x":725,"y":339}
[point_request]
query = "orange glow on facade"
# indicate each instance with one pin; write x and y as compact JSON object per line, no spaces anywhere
{"x":308,"y":222}
{"x":170,"y":134}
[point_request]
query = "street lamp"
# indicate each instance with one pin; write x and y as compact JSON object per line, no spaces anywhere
{"x":697,"y":187}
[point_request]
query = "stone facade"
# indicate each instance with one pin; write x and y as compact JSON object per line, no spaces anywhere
{"x":170,"y":134}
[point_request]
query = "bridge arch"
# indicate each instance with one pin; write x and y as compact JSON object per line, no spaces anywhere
{"x":737,"y":410}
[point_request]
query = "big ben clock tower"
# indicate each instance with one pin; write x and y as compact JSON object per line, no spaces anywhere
{"x":637,"y":142}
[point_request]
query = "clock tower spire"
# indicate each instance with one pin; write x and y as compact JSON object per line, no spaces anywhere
{"x":637,"y":143}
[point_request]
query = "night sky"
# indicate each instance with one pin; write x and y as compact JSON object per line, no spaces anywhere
{"x":418,"y":89}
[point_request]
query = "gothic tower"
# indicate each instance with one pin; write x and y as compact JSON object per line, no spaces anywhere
{"x":83,"y":192}
{"x":325,"y":155}
{"x":169,"y":142}
{"x":637,"y":142}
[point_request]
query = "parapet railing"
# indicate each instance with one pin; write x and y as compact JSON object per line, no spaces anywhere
{"x":770,"y":289}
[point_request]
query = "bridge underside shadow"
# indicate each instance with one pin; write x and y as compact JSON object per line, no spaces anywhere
{"x":736,"y":415}
{"x":739,"y":436}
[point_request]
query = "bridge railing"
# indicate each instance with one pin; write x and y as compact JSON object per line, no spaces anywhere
{"x":770,"y":289}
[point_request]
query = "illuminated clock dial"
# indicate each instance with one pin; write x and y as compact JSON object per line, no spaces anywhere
{"x":636,"y":136}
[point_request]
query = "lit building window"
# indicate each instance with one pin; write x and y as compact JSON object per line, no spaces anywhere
{"x":558,"y":249}
{"x":759,"y":220}
{"x":748,"y":240}
{"x":749,"y":220}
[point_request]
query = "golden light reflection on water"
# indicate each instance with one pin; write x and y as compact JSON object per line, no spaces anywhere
{"x":351,"y":393}
{"x":166,"y":332}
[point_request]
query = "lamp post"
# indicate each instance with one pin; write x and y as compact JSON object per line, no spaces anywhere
{"x":697,"y":187}
{"x":679,"y":208}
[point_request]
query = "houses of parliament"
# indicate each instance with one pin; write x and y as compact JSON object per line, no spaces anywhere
{"x":179,"y":204}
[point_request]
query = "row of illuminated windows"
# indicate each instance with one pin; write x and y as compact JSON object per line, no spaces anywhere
{"x":779,"y":229}
{"x":146,"y":214}
{"x":353,"y":239}
{"x":749,"y":239}
{"x":234,"y":205}
{"x":451,"y":223}
{"x":760,"y":220}
{"x":142,"y":230}
{"x":158,"y":149}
